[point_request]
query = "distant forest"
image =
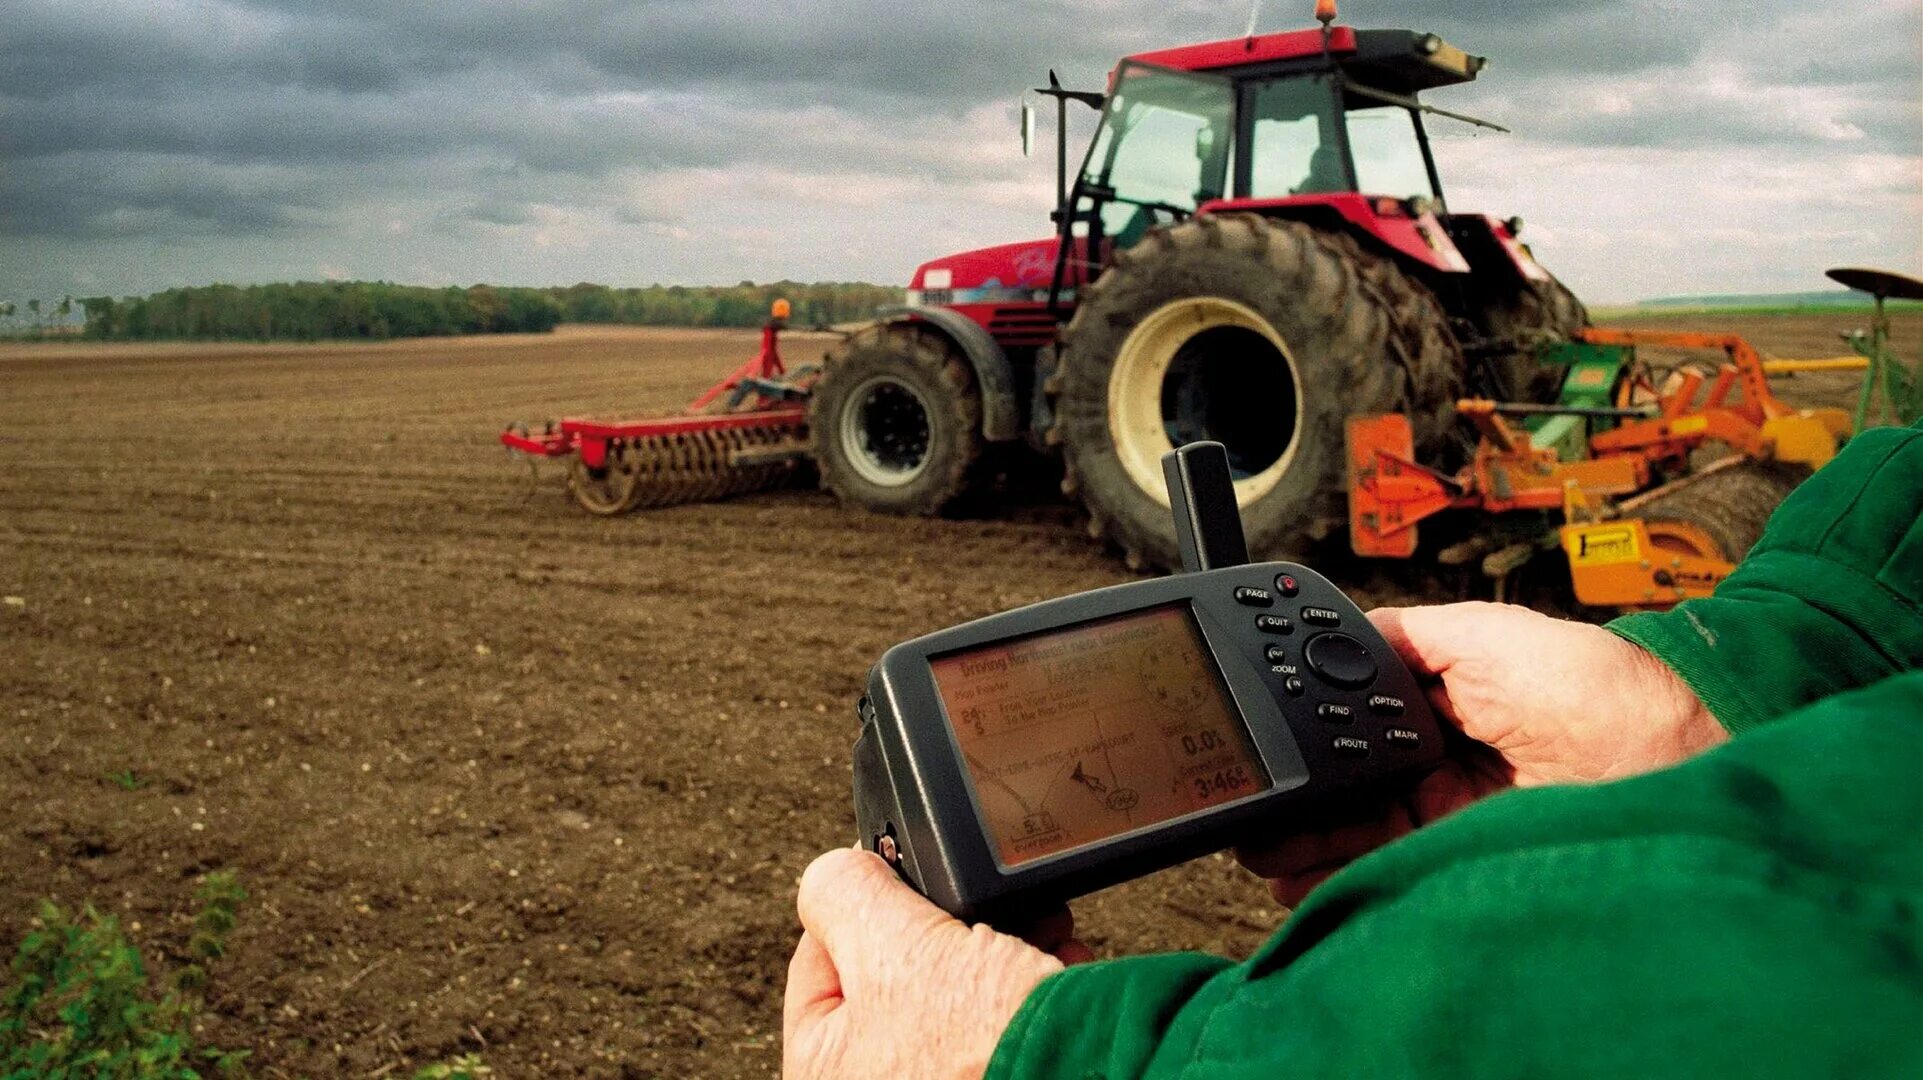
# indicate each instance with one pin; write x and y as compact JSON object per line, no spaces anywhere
{"x":318,"y":310}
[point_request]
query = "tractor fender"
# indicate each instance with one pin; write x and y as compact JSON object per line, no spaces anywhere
{"x":1423,"y":239}
{"x":1001,"y":413}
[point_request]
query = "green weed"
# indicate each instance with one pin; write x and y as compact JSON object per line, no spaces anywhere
{"x":128,"y":780}
{"x":465,"y":1067}
{"x":81,"y":1003}
{"x":83,"y":1007}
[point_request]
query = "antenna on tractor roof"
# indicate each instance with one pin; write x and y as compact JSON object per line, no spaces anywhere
{"x":1255,"y":9}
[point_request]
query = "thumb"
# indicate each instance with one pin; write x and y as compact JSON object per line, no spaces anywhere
{"x":814,"y":986}
{"x":861,"y":912}
{"x":1431,"y":640}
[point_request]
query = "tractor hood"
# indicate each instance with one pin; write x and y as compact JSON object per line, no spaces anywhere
{"x":1003,"y":274}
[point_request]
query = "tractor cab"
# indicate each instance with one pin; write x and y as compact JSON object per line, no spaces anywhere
{"x":1257,"y":123}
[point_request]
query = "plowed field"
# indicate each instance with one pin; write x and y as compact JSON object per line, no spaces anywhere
{"x":499,"y":776}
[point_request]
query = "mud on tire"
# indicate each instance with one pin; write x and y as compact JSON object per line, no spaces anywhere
{"x":896,"y":421}
{"x":1523,"y":319}
{"x":1349,"y":331}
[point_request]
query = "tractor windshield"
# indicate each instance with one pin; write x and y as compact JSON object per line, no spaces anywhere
{"x":1162,"y":149}
{"x":1387,"y":148}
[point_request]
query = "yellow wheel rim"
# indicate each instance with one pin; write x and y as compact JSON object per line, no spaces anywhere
{"x":1137,"y":425}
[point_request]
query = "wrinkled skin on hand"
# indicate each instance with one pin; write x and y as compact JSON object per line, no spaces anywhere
{"x":886,"y":986}
{"x":1536,"y":700}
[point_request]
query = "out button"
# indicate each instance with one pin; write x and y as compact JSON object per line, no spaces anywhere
{"x":1340,"y":659}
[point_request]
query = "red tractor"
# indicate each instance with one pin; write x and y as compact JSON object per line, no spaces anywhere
{"x":1255,"y":247}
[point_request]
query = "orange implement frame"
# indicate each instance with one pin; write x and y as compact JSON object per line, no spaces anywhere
{"x":1615,"y":558}
{"x":1390,"y":492}
{"x":1755,"y":423}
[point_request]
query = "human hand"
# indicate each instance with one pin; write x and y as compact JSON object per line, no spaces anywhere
{"x":886,"y":985}
{"x":1541,"y":701}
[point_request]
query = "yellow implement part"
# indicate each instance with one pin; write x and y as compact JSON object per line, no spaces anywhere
{"x":1632,"y":563}
{"x":1803,"y":439}
{"x":1835,"y":363}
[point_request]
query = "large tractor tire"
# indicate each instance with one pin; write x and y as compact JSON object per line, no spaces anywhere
{"x":1263,"y":335}
{"x":1723,"y":512}
{"x":896,"y":420}
{"x":1518,"y":322}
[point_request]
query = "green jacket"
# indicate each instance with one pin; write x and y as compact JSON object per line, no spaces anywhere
{"x":1757,"y":910}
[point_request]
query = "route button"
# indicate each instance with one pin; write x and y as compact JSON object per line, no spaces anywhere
{"x":1340,"y":660}
{"x":1252,"y":596}
{"x":1335,"y":714}
{"x":1275,"y":624}
{"x":1350,"y":746}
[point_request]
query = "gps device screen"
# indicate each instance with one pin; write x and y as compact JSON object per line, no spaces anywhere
{"x":1079,"y":734}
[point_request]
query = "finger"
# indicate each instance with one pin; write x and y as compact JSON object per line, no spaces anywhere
{"x":1329,"y":849}
{"x":1291,"y":890}
{"x":1072,"y":952}
{"x":1046,"y":930}
{"x":860,"y":911}
{"x":814,"y":986}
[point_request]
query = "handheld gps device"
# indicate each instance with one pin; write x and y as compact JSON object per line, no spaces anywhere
{"x":1029,"y":757}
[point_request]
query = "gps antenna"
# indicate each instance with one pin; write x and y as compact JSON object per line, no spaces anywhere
{"x":1208,"y":525}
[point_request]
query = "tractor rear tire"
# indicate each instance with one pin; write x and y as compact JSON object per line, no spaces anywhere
{"x":1523,"y":320}
{"x":1263,"y":335}
{"x":1729,"y":506}
{"x":896,"y":421}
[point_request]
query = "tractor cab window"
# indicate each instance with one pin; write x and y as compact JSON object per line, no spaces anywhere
{"x":1163,"y":148}
{"x":1388,"y":152}
{"x":1294,"y":148}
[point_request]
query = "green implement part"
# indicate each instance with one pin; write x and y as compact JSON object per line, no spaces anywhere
{"x":1590,"y":383}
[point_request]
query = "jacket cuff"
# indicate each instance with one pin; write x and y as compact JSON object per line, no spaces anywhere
{"x":1114,"y":1019}
{"x":1754,"y":652}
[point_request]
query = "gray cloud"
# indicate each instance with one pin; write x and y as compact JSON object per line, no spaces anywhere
{"x":626,"y":141}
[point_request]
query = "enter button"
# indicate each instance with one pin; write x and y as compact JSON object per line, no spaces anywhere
{"x":1340,"y":660}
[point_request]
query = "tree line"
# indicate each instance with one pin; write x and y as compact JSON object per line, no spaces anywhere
{"x":319,"y":310}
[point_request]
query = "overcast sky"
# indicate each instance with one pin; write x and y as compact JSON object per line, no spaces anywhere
{"x":1662,"y":146}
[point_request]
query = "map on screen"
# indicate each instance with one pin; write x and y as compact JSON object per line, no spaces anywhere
{"x":1080,"y":734}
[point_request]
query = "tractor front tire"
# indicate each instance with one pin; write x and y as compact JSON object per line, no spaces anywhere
{"x":1263,"y":335}
{"x":896,"y":420}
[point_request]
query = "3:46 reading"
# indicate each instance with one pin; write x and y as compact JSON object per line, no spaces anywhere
{"x":1226,"y":780}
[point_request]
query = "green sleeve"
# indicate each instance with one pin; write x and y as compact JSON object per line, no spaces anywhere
{"x":1132,"y":1013}
{"x":1830,"y":599}
{"x":1752,"y":912}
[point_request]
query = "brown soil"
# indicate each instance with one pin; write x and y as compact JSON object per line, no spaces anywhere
{"x":500,"y":777}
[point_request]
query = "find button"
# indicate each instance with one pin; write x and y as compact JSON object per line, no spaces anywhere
{"x":1340,"y":660}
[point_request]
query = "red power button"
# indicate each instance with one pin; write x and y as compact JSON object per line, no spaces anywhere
{"x":1287,"y":585}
